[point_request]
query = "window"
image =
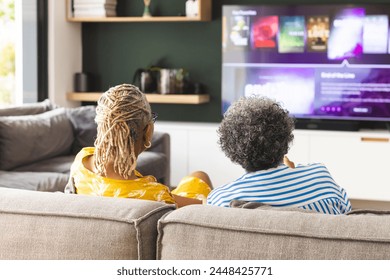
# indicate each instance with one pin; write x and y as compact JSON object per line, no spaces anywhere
{"x":23,"y":51}
{"x":7,"y":52}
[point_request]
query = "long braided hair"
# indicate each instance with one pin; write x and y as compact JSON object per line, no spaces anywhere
{"x":122,"y":113}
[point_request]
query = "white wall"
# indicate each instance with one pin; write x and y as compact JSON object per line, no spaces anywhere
{"x":65,"y":53}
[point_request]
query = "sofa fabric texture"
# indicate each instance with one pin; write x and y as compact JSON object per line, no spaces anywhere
{"x":46,"y":225}
{"x":84,"y":126}
{"x":34,"y":181}
{"x":31,"y":138}
{"x":42,"y":225}
{"x":28,"y":109}
{"x":46,"y":141}
{"x":210,"y":232}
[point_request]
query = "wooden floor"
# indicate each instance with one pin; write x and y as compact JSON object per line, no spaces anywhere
{"x":370,"y":204}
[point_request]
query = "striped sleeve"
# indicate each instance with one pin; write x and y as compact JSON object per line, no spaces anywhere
{"x":309,"y":187}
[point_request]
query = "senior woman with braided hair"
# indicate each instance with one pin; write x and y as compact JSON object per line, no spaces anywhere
{"x":125,"y":126}
{"x":256,"y":133}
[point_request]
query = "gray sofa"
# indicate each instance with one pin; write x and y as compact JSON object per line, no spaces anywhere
{"x":45,"y":225}
{"x":38,"y":143}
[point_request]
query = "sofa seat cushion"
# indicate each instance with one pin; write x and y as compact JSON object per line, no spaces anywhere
{"x":26,"y":139}
{"x":35,"y":181}
{"x":41,"y":225}
{"x":211,"y":232}
{"x":59,"y":164}
{"x":152,"y":163}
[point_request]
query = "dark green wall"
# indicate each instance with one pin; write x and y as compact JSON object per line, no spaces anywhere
{"x":112,"y":52}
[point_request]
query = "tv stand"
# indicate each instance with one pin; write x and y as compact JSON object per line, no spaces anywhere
{"x":327,"y":125}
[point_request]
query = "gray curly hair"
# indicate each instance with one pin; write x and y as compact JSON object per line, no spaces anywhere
{"x":256,"y":133}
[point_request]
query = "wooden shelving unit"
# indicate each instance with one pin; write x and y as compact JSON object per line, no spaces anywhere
{"x":152,"y":98}
{"x":204,"y":15}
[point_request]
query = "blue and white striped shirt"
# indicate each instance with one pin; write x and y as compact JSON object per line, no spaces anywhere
{"x":306,"y":186}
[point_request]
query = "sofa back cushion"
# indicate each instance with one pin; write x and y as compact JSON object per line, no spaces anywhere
{"x":211,"y":232}
{"x":84,"y":126}
{"x":27,"y":139}
{"x":28,"y":109}
{"x":41,"y":225}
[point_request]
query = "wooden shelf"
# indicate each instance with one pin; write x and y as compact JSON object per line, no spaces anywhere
{"x":204,"y":15}
{"x":83,"y":96}
{"x":178,"y":98}
{"x":152,"y":98}
{"x":135,"y":19}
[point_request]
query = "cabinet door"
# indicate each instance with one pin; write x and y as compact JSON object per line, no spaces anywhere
{"x":299,"y":150}
{"x":204,"y":154}
{"x":358,"y":163}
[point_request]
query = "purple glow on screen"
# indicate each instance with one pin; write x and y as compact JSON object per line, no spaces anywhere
{"x":346,"y":36}
{"x":328,"y":62}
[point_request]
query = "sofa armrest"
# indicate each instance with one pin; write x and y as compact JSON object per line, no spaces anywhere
{"x":161,"y":143}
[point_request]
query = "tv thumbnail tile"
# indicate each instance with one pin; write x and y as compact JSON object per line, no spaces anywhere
{"x":264,"y":32}
{"x":375,"y":31}
{"x":239,"y":31}
{"x":291,"y":34}
{"x":346,"y":35}
{"x":317,"y":33}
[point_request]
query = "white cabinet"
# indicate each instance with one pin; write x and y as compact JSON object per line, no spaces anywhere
{"x":358,"y":161}
{"x":299,"y":150}
{"x":204,"y":154}
{"x":194,"y":147}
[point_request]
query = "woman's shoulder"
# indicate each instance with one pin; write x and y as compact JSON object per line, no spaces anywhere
{"x":87,"y":151}
{"x":84,"y":152}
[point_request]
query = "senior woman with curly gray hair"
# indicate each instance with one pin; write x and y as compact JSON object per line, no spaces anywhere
{"x":256,"y":133}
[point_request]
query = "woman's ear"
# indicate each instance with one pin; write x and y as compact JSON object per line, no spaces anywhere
{"x":148,"y":134}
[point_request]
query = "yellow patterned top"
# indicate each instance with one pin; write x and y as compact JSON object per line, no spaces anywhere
{"x":193,"y":187}
{"x":89,"y":183}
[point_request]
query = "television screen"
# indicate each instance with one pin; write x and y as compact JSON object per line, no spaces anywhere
{"x":319,"y":62}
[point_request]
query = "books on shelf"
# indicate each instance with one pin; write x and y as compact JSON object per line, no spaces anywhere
{"x":94,"y":8}
{"x":94,"y":13}
{"x":94,"y":1}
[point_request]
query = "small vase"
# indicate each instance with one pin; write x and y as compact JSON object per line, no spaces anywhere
{"x":146,"y":11}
